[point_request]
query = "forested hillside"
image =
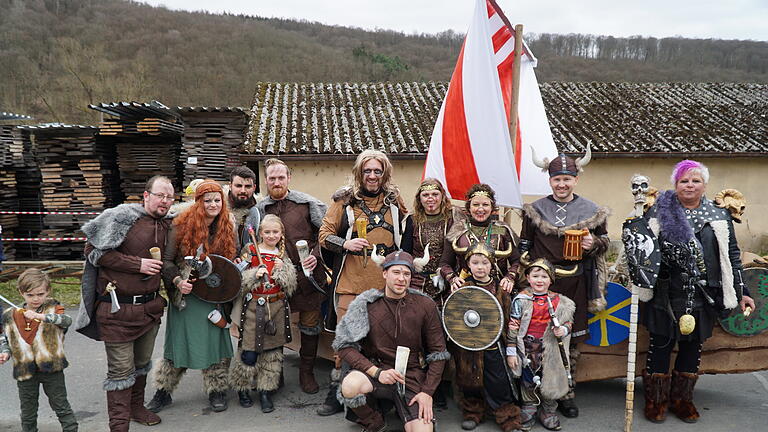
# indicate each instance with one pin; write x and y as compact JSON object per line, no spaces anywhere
{"x":57,"y":56}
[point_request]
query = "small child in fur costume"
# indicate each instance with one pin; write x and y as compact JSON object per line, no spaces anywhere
{"x":34,"y":338}
{"x":480,"y":375}
{"x":536,"y":357}
{"x":262,"y":317}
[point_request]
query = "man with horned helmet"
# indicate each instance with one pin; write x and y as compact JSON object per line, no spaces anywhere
{"x":542,"y":235}
{"x":370,"y":338}
{"x":368,"y":214}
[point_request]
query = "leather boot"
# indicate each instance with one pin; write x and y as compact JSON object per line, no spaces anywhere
{"x":681,"y":396}
{"x":369,"y":418}
{"x":119,"y":410}
{"x":307,"y":354}
{"x":568,"y":408}
{"x":160,"y":400}
{"x":140,"y":414}
{"x":244,"y":397}
{"x":265,"y":400}
{"x":218,"y":401}
{"x":656,"y":389}
{"x":331,"y":405}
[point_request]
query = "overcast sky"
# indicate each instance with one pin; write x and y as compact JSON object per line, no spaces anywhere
{"x":731,"y":19}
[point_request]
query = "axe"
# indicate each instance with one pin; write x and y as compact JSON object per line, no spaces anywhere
{"x":115,"y":304}
{"x":203,"y":267}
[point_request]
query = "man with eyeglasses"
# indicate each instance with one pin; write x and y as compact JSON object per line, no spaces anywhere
{"x":120,"y":303}
{"x":372,"y":198}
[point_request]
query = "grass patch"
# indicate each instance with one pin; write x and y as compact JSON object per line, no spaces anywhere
{"x":66,"y":291}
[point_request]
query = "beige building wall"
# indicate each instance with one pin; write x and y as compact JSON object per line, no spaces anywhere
{"x":605,"y":181}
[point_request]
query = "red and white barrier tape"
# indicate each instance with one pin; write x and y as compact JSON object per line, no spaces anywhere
{"x":54,"y":239}
{"x":47,"y":213}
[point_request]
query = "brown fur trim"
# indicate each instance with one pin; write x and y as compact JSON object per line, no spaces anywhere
{"x":599,"y":218}
{"x":215,"y":377}
{"x":656,"y":390}
{"x":165,"y":376}
{"x":472,"y":408}
{"x":269,"y":365}
{"x":508,"y":417}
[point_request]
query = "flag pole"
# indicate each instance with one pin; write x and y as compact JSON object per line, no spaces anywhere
{"x":515,"y":86}
{"x":514,"y":103}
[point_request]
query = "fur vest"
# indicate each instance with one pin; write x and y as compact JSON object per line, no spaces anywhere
{"x":45,"y":354}
{"x":667,"y":219}
{"x":554,"y":380}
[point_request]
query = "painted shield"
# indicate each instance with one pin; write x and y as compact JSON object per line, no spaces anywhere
{"x":222,"y":285}
{"x":736,"y":323}
{"x":611,"y":326}
{"x":641,"y":249}
{"x":472,"y":318}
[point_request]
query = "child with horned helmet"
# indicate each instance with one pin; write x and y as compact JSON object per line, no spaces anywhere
{"x":262,"y":316}
{"x":480,"y":375}
{"x":540,"y":330}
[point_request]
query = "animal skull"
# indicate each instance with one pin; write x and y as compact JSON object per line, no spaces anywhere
{"x":733,"y":201}
{"x":640,"y":186}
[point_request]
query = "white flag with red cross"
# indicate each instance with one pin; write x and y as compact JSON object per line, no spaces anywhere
{"x":471,"y":141}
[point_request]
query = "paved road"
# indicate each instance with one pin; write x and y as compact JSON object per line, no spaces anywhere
{"x":726,"y":402}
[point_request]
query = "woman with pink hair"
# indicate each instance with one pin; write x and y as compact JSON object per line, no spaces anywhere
{"x":699,"y":279}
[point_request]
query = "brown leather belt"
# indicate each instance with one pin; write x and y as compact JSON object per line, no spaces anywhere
{"x":268,"y":298}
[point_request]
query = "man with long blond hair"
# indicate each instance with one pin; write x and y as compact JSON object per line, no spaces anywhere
{"x":372,"y":199}
{"x":191,"y":340}
{"x":117,"y":256}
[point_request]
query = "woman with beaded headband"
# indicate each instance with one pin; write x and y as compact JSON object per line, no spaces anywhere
{"x":699,"y":279}
{"x":480,"y":226}
{"x":433,"y":216}
{"x":192,"y":341}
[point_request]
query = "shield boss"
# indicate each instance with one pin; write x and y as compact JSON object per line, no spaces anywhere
{"x":222,"y":285}
{"x":472,"y":318}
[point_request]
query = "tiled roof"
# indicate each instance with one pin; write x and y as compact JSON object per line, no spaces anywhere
{"x":617,"y":118}
{"x":202,"y":109}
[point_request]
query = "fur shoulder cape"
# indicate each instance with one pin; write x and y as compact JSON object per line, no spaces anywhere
{"x":599,"y":218}
{"x":317,"y":208}
{"x":106,"y":232}
{"x":354,"y":326}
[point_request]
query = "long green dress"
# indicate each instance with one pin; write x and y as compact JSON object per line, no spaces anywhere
{"x":191,"y":340}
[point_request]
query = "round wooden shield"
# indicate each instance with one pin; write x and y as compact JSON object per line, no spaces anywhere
{"x":472,"y":318}
{"x":611,"y":326}
{"x":756,"y":279}
{"x":222,"y":285}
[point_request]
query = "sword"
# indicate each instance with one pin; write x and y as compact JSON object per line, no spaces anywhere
{"x":563,"y":354}
{"x":115,"y":304}
{"x":8,"y":301}
{"x":512,"y":380}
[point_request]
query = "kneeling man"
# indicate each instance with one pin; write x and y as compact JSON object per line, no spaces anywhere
{"x":376,"y":323}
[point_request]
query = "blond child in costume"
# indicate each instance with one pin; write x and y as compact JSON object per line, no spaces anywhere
{"x":536,"y":357}
{"x":34,"y":339}
{"x":261,"y":316}
{"x":480,"y":375}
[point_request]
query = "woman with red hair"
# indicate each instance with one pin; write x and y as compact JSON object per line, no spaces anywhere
{"x":191,"y":340}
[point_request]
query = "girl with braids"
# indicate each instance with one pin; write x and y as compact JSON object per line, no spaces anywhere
{"x":191,"y":340}
{"x":261,"y":317}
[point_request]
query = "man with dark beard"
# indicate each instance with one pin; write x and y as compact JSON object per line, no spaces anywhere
{"x":242,"y":201}
{"x":302,"y":216}
{"x":373,"y":201}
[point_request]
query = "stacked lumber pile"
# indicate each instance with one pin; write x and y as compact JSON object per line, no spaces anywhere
{"x":76,"y":173}
{"x":11,"y":160}
{"x":147,"y":137}
{"x":150,"y":126}
{"x":212,"y":141}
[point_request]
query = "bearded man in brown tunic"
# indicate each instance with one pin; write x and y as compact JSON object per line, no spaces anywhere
{"x":302,"y":215}
{"x":545,"y":222}
{"x":373,"y":202}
